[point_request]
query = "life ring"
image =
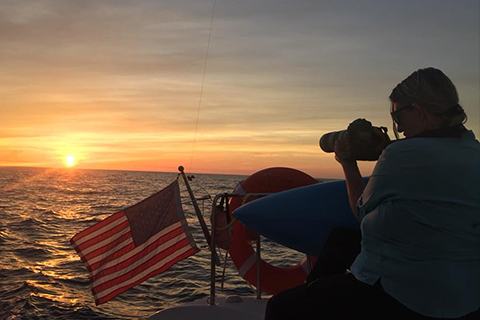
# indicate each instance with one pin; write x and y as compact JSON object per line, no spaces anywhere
{"x":272,"y":279}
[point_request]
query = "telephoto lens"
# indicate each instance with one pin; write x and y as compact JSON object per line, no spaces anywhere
{"x":327,"y":141}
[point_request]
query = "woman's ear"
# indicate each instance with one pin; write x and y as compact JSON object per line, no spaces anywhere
{"x":422,"y":114}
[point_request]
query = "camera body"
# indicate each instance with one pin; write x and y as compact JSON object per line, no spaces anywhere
{"x":362,"y":140}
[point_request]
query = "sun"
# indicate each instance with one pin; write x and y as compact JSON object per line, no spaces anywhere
{"x":70,"y":161}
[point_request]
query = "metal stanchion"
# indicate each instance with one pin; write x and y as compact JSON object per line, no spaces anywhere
{"x":213,"y":253}
{"x":259,"y":260}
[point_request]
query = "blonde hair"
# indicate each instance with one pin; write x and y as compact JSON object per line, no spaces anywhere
{"x":432,"y":90}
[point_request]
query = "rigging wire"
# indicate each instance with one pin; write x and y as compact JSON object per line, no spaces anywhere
{"x":203,"y":83}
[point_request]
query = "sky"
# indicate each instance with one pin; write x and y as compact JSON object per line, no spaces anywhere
{"x":151,"y":85}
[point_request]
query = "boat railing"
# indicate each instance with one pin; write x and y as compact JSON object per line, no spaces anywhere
{"x":214,"y":257}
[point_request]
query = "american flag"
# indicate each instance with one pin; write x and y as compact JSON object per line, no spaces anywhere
{"x":134,"y":244}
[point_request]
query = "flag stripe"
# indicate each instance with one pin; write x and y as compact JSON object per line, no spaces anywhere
{"x":114,"y":280}
{"x":131,"y":260}
{"x":163,"y":261}
{"x":109,"y":245}
{"x":103,"y":229}
{"x":97,"y":226}
{"x":105,"y":241}
{"x":120,"y":250}
{"x":161,"y":269}
{"x":137,"y":260}
{"x":125,"y":249}
{"x":115,"y":230}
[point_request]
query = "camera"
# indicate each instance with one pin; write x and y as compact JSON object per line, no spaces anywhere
{"x":362,"y":140}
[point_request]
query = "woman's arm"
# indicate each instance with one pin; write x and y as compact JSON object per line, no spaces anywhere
{"x":353,"y":178}
{"x":355,"y":185}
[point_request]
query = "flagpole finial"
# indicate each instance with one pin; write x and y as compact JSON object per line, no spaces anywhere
{"x":181,"y":168}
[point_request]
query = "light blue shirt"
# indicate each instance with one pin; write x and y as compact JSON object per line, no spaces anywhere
{"x":421,"y":225}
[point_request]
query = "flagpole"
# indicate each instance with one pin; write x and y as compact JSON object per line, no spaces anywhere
{"x":199,"y":216}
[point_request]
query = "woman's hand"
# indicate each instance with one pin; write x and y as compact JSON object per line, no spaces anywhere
{"x":343,"y":152}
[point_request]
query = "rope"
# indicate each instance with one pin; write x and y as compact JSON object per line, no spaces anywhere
{"x":245,"y":198}
{"x":224,"y":267}
{"x":203,"y":83}
{"x":208,"y":194}
{"x":227,"y":226}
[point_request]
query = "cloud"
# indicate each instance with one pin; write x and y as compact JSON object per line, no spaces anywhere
{"x":112,"y":75}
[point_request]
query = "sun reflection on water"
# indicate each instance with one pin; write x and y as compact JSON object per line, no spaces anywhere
{"x":51,"y":292}
{"x":44,"y":208}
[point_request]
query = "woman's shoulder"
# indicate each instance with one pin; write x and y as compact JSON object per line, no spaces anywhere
{"x":410,"y":146}
{"x":430,"y":143}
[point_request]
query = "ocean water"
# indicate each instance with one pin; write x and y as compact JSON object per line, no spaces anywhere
{"x":42,"y":277}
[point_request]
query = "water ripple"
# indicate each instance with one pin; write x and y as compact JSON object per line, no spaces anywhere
{"x":41,"y":277}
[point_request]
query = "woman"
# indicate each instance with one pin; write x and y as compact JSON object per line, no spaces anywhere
{"x":420,"y":219}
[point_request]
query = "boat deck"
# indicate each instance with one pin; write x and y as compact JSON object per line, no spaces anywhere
{"x":231,"y":307}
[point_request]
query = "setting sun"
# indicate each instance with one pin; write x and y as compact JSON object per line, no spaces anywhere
{"x":70,"y":161}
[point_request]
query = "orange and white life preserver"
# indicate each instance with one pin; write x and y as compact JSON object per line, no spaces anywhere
{"x":272,"y":279}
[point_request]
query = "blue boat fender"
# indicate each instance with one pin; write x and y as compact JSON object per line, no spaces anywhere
{"x":300,"y":218}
